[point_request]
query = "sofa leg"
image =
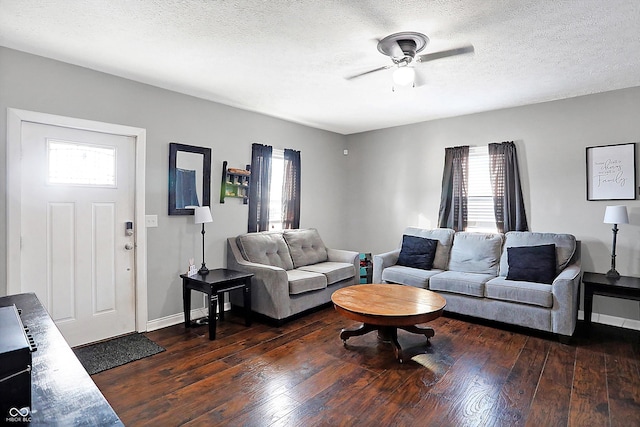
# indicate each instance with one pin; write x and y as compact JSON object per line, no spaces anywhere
{"x":564,"y":339}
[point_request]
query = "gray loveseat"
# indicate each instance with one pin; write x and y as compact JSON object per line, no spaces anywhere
{"x":293,"y":270}
{"x":471,"y":271}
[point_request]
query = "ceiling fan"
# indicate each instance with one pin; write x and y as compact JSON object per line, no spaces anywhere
{"x":402,"y":49}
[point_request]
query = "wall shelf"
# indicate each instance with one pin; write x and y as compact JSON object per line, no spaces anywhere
{"x":235,"y":183}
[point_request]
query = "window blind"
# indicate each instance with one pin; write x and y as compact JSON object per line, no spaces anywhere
{"x":275,"y":199}
{"x":480,"y":214}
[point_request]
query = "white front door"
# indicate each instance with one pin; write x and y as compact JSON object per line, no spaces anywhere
{"x":77,"y":191}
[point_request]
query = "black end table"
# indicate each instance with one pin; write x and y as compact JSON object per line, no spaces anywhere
{"x":599,"y":284}
{"x":218,"y":281}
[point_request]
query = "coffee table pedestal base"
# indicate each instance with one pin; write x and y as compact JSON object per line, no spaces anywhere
{"x":387,"y":334}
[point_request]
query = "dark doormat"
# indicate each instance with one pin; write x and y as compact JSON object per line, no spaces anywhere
{"x":118,"y":351}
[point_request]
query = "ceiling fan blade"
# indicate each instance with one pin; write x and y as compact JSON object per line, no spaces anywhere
{"x":386,"y":67}
{"x":445,"y":53}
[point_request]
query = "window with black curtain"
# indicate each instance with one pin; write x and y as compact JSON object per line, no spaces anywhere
{"x":508,"y":200}
{"x":454,"y":198}
{"x":259,"y":187}
{"x":291,"y":189}
{"x":274,"y":195}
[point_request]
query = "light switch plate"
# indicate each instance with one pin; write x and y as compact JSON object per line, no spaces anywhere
{"x":151,"y":221}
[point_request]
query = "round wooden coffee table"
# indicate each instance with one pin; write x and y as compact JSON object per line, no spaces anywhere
{"x":385,"y":308}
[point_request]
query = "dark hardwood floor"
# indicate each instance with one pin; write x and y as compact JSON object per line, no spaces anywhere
{"x":300,"y":374}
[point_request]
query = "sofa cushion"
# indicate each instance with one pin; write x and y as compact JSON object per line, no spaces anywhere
{"x":408,"y":276}
{"x":335,"y":271}
{"x":444,"y":236}
{"x":417,"y":252}
{"x":565,"y":247}
{"x":476,"y":252}
{"x":304,"y":281}
{"x":459,"y":282}
{"x":532,"y":263}
{"x":306,"y":246}
{"x":265,"y":247}
{"x":521,"y":292}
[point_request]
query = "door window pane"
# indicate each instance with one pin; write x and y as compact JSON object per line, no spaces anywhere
{"x":76,"y":163}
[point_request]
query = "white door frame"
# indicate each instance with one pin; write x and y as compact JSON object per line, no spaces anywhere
{"x":15,"y":118}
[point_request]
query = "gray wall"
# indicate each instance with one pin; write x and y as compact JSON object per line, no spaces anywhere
{"x":34,"y":83}
{"x":396,"y":176}
{"x":390,"y":179}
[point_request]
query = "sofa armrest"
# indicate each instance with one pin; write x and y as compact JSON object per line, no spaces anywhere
{"x":351,"y":257}
{"x":270,"y":285}
{"x":340,"y":255}
{"x":267,"y":273}
{"x":258,"y":269}
{"x":382,"y":261}
{"x":567,"y":275}
{"x":565,"y":289}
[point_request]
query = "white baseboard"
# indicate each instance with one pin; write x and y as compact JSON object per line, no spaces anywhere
{"x":605,"y":319}
{"x":174,"y":319}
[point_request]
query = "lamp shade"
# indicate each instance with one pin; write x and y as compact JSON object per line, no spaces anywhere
{"x":404,"y":76}
{"x":616,"y":215}
{"x":202,"y":214}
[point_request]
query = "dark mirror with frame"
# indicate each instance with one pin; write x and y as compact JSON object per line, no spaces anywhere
{"x":189,"y":178}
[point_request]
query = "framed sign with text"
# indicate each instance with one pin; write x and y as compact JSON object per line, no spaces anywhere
{"x":611,"y":172}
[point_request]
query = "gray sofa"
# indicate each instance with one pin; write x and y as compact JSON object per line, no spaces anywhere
{"x":471,"y":271}
{"x":293,"y":270}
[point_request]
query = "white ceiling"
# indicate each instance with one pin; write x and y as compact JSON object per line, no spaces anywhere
{"x":288,"y":58}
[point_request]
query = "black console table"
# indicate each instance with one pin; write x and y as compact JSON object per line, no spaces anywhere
{"x":214,"y":283}
{"x":599,"y":284}
{"x":62,"y":392}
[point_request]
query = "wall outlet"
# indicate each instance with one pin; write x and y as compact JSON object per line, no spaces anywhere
{"x":151,"y":221}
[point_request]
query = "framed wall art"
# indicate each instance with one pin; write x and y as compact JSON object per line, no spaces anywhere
{"x":611,"y":172}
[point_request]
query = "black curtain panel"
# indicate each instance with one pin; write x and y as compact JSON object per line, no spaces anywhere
{"x":259,"y":187}
{"x":508,"y":201}
{"x":454,"y":198}
{"x":291,"y":190}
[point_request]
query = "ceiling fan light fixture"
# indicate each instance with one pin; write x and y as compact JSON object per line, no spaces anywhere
{"x":404,"y":76}
{"x":403,"y":48}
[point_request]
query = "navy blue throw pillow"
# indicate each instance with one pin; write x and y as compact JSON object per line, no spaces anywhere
{"x":532,"y":263}
{"x":417,"y":252}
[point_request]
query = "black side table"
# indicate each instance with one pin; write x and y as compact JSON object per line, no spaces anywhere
{"x":599,"y":284}
{"x":218,"y":281}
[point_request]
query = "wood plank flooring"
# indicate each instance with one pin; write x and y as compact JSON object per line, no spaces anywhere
{"x":473,"y":374}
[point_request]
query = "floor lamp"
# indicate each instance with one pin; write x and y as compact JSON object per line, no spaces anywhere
{"x":202,"y":216}
{"x":615,"y":215}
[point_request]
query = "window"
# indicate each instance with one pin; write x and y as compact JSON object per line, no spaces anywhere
{"x":275,"y":190}
{"x":477,"y":181}
{"x":75,"y":163}
{"x":480,"y":214}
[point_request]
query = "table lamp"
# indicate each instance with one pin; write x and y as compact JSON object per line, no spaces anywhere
{"x":202,"y":215}
{"x":615,"y":215}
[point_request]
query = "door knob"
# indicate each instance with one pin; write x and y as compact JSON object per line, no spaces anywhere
{"x":128,"y":246}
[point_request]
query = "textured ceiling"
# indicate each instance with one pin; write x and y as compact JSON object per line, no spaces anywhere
{"x":288,"y":58}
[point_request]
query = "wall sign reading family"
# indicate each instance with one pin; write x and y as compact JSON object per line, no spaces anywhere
{"x":611,"y":172}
